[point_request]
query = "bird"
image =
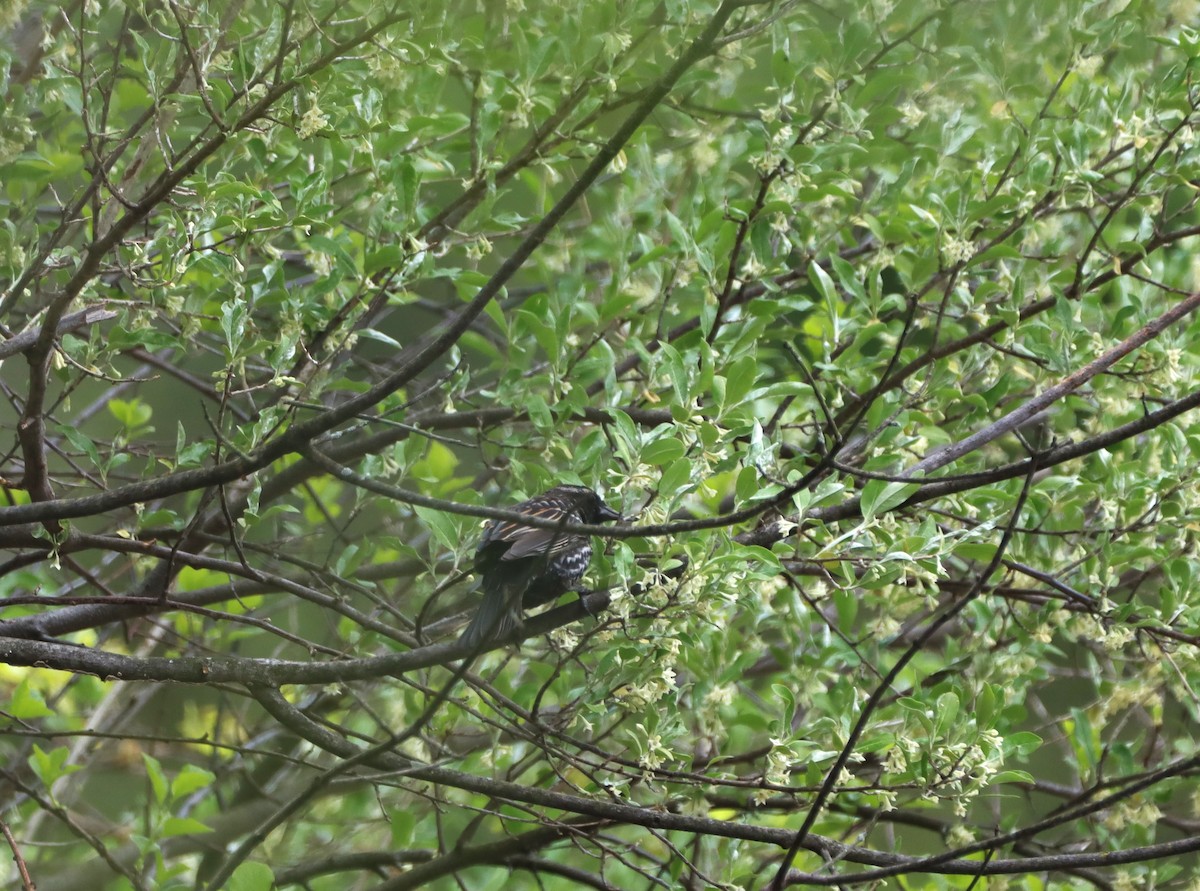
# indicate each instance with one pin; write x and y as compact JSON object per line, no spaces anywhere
{"x":522,"y":567}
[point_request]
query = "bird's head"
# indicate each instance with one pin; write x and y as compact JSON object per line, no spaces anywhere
{"x":591,"y":507}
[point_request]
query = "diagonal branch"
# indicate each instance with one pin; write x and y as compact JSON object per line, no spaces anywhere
{"x":1067,"y":385}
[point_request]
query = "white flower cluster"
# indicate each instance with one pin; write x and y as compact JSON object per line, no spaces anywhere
{"x":14,"y":136}
{"x":778,"y":772}
{"x":312,"y":123}
{"x":389,"y":68}
{"x":911,"y":113}
{"x":1087,"y":66}
{"x":963,"y":769}
{"x":777,"y":150}
{"x":1132,"y":812}
{"x":478,"y":248}
{"x":957,"y":250}
{"x":654,"y":752}
{"x":637,"y":696}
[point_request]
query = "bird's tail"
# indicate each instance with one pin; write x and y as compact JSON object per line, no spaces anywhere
{"x":496,"y":617}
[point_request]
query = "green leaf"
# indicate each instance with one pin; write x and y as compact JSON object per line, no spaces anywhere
{"x":132,"y":414}
{"x":1085,"y":740}
{"x":746,"y":486}
{"x":739,"y":379}
{"x":403,"y":823}
{"x":662,"y":451}
{"x":189,"y":779}
{"x":1022,"y":743}
{"x":194,"y":453}
{"x":388,"y":257}
{"x":846,"y":603}
{"x":539,"y":412}
{"x":233,"y":325}
{"x":173,"y":826}
{"x":380,"y":337}
{"x":788,"y":699}
{"x":252,"y":877}
{"x":158,"y":779}
{"x":987,"y":705}
{"x":676,"y":478}
{"x":947,"y":712}
{"x":649,"y":257}
{"x":442,"y":526}
{"x":626,"y":431}
{"x":880,"y":496}
{"x":767,"y":558}
{"x":825,"y":287}
{"x":50,"y":766}
{"x":27,"y":703}
{"x":437,"y":465}
{"x":81,"y":442}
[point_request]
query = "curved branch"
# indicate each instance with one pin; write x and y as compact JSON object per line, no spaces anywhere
{"x":270,"y":672}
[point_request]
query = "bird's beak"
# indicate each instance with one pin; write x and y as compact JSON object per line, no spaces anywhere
{"x":606,"y":514}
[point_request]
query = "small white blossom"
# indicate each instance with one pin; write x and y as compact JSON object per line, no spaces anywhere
{"x":1173,"y":355}
{"x":655,"y":753}
{"x":564,"y":638}
{"x":1125,"y":881}
{"x":723,"y":694}
{"x":779,"y":767}
{"x":957,"y":250}
{"x":704,"y":156}
{"x":896,"y":760}
{"x":1087,"y":66}
{"x":479,"y":248}
{"x":1116,"y":639}
{"x":911,"y":114}
{"x":959,"y":836}
{"x":312,"y":122}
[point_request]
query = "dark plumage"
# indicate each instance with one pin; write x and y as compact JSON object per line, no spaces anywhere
{"x":521,"y":567}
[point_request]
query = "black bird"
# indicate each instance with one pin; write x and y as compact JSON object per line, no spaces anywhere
{"x":521,"y":567}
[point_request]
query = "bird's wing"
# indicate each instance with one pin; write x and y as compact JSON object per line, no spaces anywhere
{"x":528,"y":541}
{"x":540,"y":543}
